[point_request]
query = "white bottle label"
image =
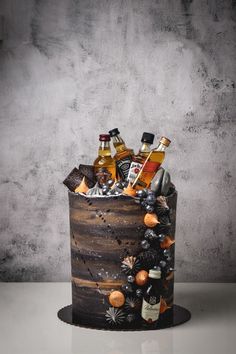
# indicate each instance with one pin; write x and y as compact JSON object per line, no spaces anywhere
{"x":134,"y":170}
{"x":150,"y":313}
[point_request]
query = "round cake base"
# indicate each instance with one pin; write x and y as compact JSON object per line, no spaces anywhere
{"x":174,"y":317}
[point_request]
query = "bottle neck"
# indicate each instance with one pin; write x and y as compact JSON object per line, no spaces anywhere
{"x":104,"y":149}
{"x":145,"y":147}
{"x":155,"y":284}
{"x":161,"y":147}
{"x":118,"y":143}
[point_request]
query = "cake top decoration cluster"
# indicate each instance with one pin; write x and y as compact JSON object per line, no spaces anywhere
{"x":125,"y":173}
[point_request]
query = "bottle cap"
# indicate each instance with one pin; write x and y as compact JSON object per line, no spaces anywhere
{"x":104,"y":137}
{"x":147,"y":138}
{"x":154,"y":273}
{"x":114,"y":132}
{"x":165,"y":141}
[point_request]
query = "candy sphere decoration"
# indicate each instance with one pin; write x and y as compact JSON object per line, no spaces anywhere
{"x":150,"y":235}
{"x":161,"y":237}
{"x":139,"y":292}
{"x":130,"y":278}
{"x":166,"y":253}
{"x":127,"y":288}
{"x":141,"y":193}
{"x":110,"y":182}
{"x":116,"y":192}
{"x":116,"y":298}
{"x":119,"y":185}
{"x":141,"y":278}
{"x":145,"y":244}
{"x":149,"y":208}
{"x":162,"y":264}
{"x":124,"y":184}
{"x":151,"y":220}
{"x":151,"y":199}
{"x":143,"y":204}
{"x":105,"y":189}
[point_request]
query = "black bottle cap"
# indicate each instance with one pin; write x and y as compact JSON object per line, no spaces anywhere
{"x":114,"y":132}
{"x":147,"y":138}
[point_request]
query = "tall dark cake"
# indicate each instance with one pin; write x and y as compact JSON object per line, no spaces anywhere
{"x":112,"y":250}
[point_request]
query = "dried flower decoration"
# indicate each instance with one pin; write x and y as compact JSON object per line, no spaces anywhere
{"x":114,"y":316}
{"x":161,"y":202}
{"x":132,"y":304}
{"x":130,"y":265}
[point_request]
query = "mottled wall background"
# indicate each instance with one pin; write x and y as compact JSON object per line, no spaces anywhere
{"x":72,"y":69}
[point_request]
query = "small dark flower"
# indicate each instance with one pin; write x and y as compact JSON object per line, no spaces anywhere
{"x":145,"y":244}
{"x":131,"y":317}
{"x":150,"y":235}
{"x":127,"y":288}
{"x":149,"y":258}
{"x":139,"y":292}
{"x":161,"y":202}
{"x":164,"y":220}
{"x":132,"y":304}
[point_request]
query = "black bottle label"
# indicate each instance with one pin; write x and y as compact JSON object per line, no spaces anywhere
{"x":123,"y":167}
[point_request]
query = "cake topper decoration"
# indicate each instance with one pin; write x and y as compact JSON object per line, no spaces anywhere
{"x":114,"y":316}
{"x":82,"y":188}
{"x":94,"y":191}
{"x":167,"y":242}
{"x":129,"y":190}
{"x":130,"y":265}
{"x":151,"y":220}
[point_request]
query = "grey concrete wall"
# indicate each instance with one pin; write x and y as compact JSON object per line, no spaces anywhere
{"x":71,"y":69}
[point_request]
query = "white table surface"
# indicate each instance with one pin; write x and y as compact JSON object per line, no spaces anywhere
{"x":29,"y":323}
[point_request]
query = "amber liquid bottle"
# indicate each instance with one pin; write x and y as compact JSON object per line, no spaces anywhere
{"x":104,"y":165}
{"x":123,"y":156}
{"x":150,"y":167}
{"x":139,"y":159}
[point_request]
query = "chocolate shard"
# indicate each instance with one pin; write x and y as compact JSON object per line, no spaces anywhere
{"x":73,"y":179}
{"x":88,"y":172}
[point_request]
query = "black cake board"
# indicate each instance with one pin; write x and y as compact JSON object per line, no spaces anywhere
{"x":171,"y":318}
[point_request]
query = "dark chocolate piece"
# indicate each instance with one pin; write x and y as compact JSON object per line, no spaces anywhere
{"x":73,"y":179}
{"x":88,"y":172}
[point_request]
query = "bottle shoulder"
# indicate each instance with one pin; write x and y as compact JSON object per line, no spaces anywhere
{"x":104,"y":159}
{"x":119,"y":155}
